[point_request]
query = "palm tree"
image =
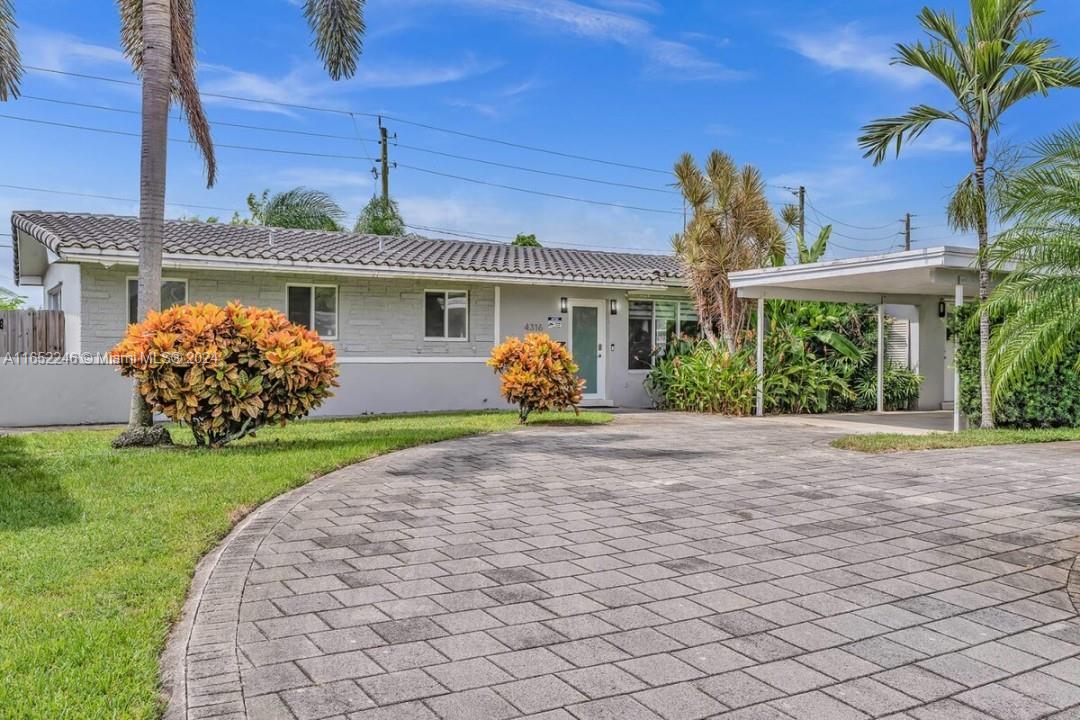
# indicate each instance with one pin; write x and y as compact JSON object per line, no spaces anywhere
{"x":158,"y":36}
{"x":987,"y":68}
{"x":1039,"y":299}
{"x":380,"y":217}
{"x":301,"y":208}
{"x":732,"y":228}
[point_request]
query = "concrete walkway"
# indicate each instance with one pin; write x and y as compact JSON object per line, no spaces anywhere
{"x":666,"y":566}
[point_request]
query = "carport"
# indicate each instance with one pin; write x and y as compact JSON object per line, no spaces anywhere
{"x":931,"y":280}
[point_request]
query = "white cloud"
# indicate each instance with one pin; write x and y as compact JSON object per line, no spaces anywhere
{"x":848,"y":49}
{"x":839,"y":185}
{"x":938,"y":140}
{"x":307,"y":84}
{"x":632,"y":6}
{"x":554,"y":222}
{"x":676,"y":59}
{"x":61,"y":51}
{"x":485,"y":109}
{"x":320,"y":178}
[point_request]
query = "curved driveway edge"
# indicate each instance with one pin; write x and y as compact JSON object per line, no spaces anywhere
{"x":664,"y":567}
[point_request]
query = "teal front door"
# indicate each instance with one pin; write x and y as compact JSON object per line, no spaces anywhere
{"x":587,"y":345}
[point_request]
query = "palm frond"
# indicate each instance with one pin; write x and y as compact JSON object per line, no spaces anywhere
{"x":338,"y":28}
{"x":185,"y":86}
{"x":302,"y":208}
{"x":878,"y":136}
{"x":1039,"y":298}
{"x":10,"y":62}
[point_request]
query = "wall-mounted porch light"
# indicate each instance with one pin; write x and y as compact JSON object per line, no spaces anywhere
{"x":614,"y":306}
{"x":562,"y":305}
{"x":941,"y":308}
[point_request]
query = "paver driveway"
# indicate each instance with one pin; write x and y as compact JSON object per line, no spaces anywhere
{"x":665,"y":566}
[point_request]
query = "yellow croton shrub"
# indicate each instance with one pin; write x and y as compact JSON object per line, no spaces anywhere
{"x":227,"y":371}
{"x":537,"y":373}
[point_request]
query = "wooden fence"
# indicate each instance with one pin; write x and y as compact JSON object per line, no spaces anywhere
{"x":31,"y":331}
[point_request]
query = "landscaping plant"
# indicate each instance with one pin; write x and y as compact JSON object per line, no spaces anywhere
{"x":1044,"y":395}
{"x":986,"y":68}
{"x":537,"y":373}
{"x":226,"y":372}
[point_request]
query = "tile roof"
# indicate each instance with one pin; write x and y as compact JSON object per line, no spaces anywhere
{"x":60,"y":232}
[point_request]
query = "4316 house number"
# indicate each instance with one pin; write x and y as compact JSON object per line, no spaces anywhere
{"x":534,"y":327}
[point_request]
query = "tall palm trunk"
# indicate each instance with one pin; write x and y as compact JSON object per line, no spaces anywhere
{"x":987,"y":415}
{"x":156,"y":92}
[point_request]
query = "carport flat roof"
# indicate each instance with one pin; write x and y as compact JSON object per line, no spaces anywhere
{"x":904,"y":276}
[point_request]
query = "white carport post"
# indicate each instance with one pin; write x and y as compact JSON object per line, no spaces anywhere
{"x":760,"y":410}
{"x":881,"y":356}
{"x":959,"y":300}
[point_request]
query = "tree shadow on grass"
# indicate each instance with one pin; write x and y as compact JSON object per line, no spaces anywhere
{"x":30,"y":496}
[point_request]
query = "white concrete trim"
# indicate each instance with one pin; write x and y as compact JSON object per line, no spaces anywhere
{"x":195,"y":262}
{"x":959,"y":258}
{"x":496,"y":334}
{"x":407,"y":359}
{"x":881,"y":356}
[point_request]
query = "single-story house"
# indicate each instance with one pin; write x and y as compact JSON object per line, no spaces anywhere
{"x":413,"y":319}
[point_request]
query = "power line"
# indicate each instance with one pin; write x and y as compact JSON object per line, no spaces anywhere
{"x":537,"y":192}
{"x":110,"y":197}
{"x":850,"y":225}
{"x":837,"y":233}
{"x":358,"y":137}
{"x":535,"y":170}
{"x":128,"y":133}
{"x":242,"y":126}
{"x":281,"y":151}
{"x":314,"y":108}
{"x":483,"y":237}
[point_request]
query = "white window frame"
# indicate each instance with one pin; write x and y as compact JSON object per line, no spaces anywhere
{"x":56,"y":291}
{"x":679,"y":302}
{"x":311,"y":315}
{"x":127,"y":283}
{"x":446,"y":314}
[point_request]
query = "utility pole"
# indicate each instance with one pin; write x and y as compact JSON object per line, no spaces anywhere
{"x":907,"y":231}
{"x":802,"y":212}
{"x":383,"y":142}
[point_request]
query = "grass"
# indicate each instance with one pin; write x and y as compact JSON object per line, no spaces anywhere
{"x":98,"y":546}
{"x":894,"y":442}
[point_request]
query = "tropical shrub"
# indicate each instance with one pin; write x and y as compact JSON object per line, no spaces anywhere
{"x":226,"y":372}
{"x":700,"y":377}
{"x":819,"y":357}
{"x":537,"y":373}
{"x":1044,"y":396}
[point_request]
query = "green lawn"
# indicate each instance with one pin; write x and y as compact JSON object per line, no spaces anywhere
{"x":891,"y":442}
{"x":97,"y":546}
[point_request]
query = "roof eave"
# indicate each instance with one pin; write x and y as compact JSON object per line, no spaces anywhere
{"x":191,"y":261}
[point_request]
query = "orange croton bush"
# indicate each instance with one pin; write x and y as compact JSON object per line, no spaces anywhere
{"x":227,"y":371}
{"x":537,"y":374}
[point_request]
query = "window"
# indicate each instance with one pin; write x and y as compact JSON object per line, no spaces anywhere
{"x":314,"y":307}
{"x":654,"y":323}
{"x":446,"y":315}
{"x":55,"y":299}
{"x":173,"y":292}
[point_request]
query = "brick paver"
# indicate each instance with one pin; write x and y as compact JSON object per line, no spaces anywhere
{"x":666,"y":566}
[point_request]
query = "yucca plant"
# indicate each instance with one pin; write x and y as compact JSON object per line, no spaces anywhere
{"x":987,"y":67}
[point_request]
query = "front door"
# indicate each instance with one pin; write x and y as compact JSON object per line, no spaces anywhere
{"x":587,"y":345}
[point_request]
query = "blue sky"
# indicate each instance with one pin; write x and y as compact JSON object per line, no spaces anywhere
{"x":782,"y":84}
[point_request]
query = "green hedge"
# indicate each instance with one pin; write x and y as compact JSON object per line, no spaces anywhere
{"x":1048,"y":398}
